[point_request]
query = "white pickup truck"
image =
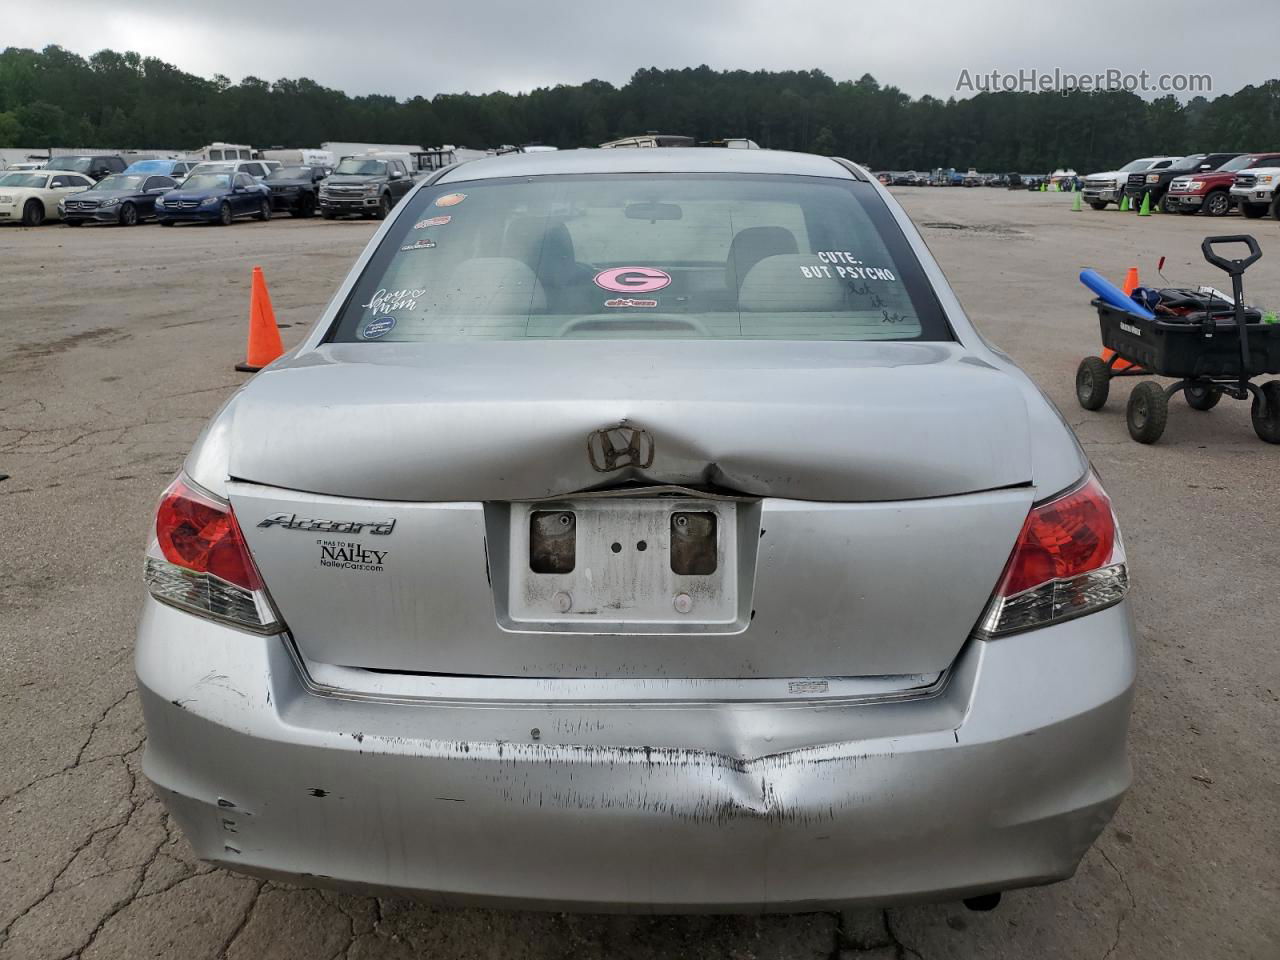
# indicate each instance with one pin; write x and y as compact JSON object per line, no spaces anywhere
{"x":1254,"y":191}
{"x":1103,"y":188}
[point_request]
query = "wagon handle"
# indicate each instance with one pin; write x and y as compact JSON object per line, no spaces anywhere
{"x":1236,"y":269}
{"x":1233,"y":267}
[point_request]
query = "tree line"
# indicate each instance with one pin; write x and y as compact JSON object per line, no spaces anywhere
{"x":53,"y":97}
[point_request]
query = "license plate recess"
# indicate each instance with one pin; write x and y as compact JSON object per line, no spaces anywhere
{"x":625,"y":565}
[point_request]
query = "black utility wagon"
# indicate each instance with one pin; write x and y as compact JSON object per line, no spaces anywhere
{"x":1213,"y":347}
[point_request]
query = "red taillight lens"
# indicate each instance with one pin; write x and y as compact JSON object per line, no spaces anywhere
{"x":1068,"y":561}
{"x":1061,"y":539}
{"x":199,"y":533}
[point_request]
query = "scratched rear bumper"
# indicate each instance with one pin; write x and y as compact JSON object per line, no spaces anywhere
{"x":1002,"y":779}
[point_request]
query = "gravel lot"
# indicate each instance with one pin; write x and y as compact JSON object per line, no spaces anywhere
{"x":119,"y":343}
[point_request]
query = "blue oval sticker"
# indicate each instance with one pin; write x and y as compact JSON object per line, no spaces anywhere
{"x":377,"y":327}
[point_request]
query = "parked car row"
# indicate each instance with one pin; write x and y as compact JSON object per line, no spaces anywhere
{"x":1214,"y":184}
{"x":1210,"y":183}
{"x":221,"y":191}
{"x":972,"y":178}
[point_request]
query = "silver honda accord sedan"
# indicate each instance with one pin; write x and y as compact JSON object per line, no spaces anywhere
{"x":641,"y":530}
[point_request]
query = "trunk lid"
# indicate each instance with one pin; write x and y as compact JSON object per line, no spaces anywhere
{"x":512,"y":420}
{"x":863,"y":499}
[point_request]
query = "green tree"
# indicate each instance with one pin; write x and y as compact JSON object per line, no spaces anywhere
{"x":55,"y":97}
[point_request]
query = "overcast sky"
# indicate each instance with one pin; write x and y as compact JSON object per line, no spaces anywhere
{"x":411,"y":47}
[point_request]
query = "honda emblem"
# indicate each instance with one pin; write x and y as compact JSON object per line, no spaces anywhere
{"x":614,"y":448}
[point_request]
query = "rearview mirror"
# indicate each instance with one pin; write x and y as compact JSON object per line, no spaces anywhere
{"x":654,"y":211}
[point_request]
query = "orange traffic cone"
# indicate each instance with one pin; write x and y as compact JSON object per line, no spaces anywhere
{"x":1131,"y":283}
{"x":264,"y":335}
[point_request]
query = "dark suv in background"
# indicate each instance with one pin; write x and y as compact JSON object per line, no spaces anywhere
{"x":95,"y":165}
{"x":369,"y":186}
{"x":1156,"y":182}
{"x":294,"y":188}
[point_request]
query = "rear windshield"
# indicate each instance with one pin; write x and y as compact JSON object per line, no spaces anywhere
{"x":644,"y":257}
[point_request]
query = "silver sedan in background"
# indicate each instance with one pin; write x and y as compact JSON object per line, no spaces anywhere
{"x":646,"y":531}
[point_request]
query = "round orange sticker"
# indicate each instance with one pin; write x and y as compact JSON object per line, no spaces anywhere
{"x":450,"y":199}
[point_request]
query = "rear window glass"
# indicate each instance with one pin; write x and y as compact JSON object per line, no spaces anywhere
{"x":644,"y":257}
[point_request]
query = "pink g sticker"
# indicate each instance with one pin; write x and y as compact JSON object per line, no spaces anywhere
{"x":632,"y":279}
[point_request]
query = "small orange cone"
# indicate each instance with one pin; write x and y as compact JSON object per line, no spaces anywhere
{"x":264,"y":335}
{"x":1131,"y":283}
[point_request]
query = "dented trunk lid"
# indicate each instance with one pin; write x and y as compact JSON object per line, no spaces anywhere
{"x":844,"y":422}
{"x":862,"y":500}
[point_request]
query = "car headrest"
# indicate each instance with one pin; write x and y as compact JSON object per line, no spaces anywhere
{"x":752,"y":245}
{"x":545,"y":246}
{"x":499,"y":286}
{"x":779,"y":284}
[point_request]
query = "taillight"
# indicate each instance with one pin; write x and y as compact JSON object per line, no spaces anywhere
{"x":1068,"y":561}
{"x":199,"y":561}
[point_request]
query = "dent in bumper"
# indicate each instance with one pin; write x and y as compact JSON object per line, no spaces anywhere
{"x":1002,"y":780}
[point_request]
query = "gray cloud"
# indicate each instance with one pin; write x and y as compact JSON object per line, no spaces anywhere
{"x":414,"y":49}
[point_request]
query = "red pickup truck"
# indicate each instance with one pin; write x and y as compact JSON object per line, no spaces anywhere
{"x":1211,"y":191}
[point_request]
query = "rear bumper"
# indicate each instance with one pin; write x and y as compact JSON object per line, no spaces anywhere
{"x":1002,"y":779}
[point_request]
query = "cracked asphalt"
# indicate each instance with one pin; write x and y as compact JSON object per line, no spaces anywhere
{"x":117,"y":344}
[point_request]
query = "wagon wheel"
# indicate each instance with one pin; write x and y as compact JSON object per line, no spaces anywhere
{"x":1148,"y":412}
{"x":1093,"y":383}
{"x":1201,"y":396}
{"x":1268,"y":428}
